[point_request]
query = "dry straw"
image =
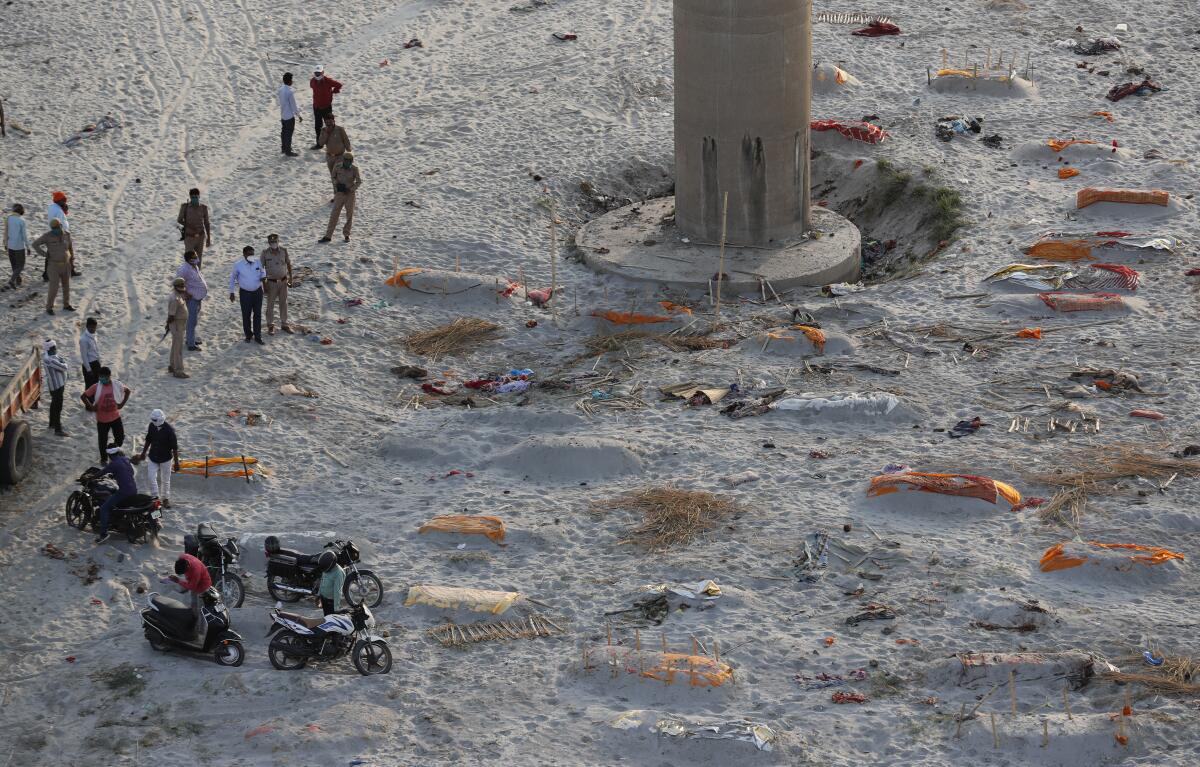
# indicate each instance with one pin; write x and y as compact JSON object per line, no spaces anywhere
{"x":461,"y":335}
{"x":670,"y":516}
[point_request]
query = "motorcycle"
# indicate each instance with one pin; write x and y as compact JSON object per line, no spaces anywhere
{"x":170,"y":625}
{"x":300,"y":640}
{"x":292,"y":575}
{"x":138,"y":517}
{"x":220,"y":559}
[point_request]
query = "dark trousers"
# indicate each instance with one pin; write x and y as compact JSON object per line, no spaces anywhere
{"x":251,"y":311}
{"x":56,"y":400}
{"x":285,"y":133}
{"x":91,"y":374}
{"x":319,"y":119}
{"x":326,"y":606}
{"x":102,"y":431}
{"x":16,"y":258}
{"x":106,"y":508}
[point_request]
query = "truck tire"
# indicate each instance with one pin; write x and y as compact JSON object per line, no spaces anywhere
{"x":16,"y":454}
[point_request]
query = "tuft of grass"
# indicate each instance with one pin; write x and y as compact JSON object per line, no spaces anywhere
{"x":123,"y":679}
{"x":946,"y":217}
{"x":670,"y":516}
{"x":461,"y":335}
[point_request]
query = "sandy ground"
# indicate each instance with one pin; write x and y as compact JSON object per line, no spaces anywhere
{"x":480,"y":128}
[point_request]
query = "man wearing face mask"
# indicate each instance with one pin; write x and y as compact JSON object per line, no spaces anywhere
{"x":247,"y":279}
{"x":278,"y":267}
{"x":323,"y":89}
{"x":58,"y":211}
{"x":106,"y":399}
{"x":176,"y":322}
{"x":197,"y":291}
{"x":289,"y":115}
{"x":55,"y":247}
{"x":346,"y":181}
{"x":193,"y":220}
{"x":56,"y":382}
{"x":336,"y":142}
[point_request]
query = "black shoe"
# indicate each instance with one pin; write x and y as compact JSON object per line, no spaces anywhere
{"x":76,"y":273}
{"x":315,"y":146}
{"x":249,"y":339}
{"x":68,"y":308}
{"x":49,"y":311}
{"x":323,"y":239}
{"x":199,"y":343}
{"x":292,"y":154}
{"x":61,"y":433}
{"x":347,"y":238}
{"x":259,"y":341}
{"x":102,"y":538}
{"x":194,"y":349}
{"x":45,"y":277}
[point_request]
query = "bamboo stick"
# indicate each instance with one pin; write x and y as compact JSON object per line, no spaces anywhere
{"x":721,"y":262}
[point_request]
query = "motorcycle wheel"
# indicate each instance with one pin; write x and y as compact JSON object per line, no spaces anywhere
{"x":372,"y":657}
{"x":156,"y":641}
{"x":362,"y":587}
{"x":279,"y":654}
{"x":134,"y":532}
{"x":283,"y":595}
{"x":75,"y":510}
{"x":230,"y":653}
{"x":231,"y":588}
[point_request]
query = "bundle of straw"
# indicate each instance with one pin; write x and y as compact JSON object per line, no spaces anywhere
{"x":670,"y":516}
{"x":1093,"y":472}
{"x":461,"y":335}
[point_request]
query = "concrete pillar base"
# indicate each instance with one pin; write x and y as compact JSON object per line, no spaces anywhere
{"x":640,"y":242}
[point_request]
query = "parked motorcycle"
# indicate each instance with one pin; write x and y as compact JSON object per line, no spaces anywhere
{"x":292,"y":575}
{"x":220,"y":559}
{"x":137,"y":518}
{"x":301,"y":639}
{"x":170,"y":625}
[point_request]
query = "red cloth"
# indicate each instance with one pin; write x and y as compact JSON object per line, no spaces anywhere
{"x":877,"y":29}
{"x":859,"y":131}
{"x":323,"y":91}
{"x":195,"y":578}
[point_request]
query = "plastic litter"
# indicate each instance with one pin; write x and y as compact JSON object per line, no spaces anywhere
{"x":673,"y":725}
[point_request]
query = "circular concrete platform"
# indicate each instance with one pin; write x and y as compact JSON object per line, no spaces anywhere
{"x":641,"y":242}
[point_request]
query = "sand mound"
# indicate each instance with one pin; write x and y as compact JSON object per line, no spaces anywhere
{"x":827,"y":78}
{"x":568,"y":459}
{"x":984,"y":86}
{"x":786,"y":342}
{"x":868,"y":407}
{"x":1041,"y":152}
{"x":457,"y":289}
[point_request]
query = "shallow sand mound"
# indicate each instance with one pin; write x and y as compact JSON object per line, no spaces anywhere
{"x":568,"y":459}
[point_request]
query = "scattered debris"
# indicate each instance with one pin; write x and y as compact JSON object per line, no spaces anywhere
{"x":670,"y":516}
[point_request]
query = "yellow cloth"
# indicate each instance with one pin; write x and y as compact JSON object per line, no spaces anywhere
{"x":453,"y":597}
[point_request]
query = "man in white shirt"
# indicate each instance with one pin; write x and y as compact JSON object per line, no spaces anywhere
{"x":89,"y":353}
{"x":247,"y":280}
{"x":288,"y":113}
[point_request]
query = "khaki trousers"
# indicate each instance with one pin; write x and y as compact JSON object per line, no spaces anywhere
{"x":331,"y":162}
{"x":177,"y":329}
{"x":195,"y":243}
{"x":276,"y":291}
{"x":59,"y":274}
{"x":341,"y":200}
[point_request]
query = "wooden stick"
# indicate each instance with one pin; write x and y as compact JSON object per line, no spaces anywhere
{"x":1045,"y":732}
{"x":457,"y":263}
{"x":958,"y":729}
{"x":717,"y":654}
{"x":721,"y":262}
{"x":995,"y":734}
{"x":1012,"y":689}
{"x":637,"y":639}
{"x":553,"y":258}
{"x":1066,"y":702}
{"x":609,"y":624}
{"x":664,"y":642}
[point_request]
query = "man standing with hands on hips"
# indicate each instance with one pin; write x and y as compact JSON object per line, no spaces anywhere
{"x":246,"y":283}
{"x":323,"y":89}
{"x":278,"y":267}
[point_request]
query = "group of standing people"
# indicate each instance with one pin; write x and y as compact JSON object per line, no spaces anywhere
{"x":55,"y":247}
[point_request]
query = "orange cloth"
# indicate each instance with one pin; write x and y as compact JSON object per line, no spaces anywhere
{"x":397,"y":280}
{"x":1082,"y":302}
{"x":630,"y":318}
{"x":1058,"y":144}
{"x":490,"y":527}
{"x":1030,"y":333}
{"x":815,"y":336}
{"x":1106,"y":115}
{"x":1091,"y":194}
{"x":1061,"y":250}
{"x":965,"y":485}
{"x":1068,"y":172}
{"x":674,"y":308}
{"x":1056,"y":558}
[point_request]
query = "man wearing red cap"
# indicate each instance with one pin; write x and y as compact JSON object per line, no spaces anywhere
{"x":323,"y":89}
{"x":58,"y":210}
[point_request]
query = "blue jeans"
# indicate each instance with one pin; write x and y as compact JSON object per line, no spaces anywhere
{"x":106,"y":508}
{"x":193,"y":307}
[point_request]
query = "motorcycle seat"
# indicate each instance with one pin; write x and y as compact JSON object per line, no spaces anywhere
{"x":138,"y":501}
{"x":205,"y":533}
{"x":175,"y":613}
{"x":300,"y":560}
{"x":311,"y":623}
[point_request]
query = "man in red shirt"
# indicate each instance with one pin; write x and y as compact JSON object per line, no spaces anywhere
{"x":106,"y":398}
{"x":192,"y":577}
{"x":323,"y":89}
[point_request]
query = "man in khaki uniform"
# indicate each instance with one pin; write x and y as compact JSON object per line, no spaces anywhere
{"x":346,"y":181}
{"x":177,"y":315}
{"x":55,"y":247}
{"x":193,"y":219}
{"x":278,"y":266}
{"x":336,"y":143}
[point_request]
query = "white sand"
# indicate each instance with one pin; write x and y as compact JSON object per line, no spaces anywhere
{"x":490,"y":101}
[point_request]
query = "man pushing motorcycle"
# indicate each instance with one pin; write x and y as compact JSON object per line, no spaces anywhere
{"x":191,"y":576}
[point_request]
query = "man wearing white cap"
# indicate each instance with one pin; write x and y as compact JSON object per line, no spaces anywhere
{"x":163,"y":447}
{"x":56,"y":382}
{"x":323,"y":89}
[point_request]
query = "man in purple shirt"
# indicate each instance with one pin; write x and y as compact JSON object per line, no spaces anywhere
{"x":120,"y":469}
{"x":197,"y":291}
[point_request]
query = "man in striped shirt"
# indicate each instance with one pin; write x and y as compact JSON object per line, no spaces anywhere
{"x":56,"y":382}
